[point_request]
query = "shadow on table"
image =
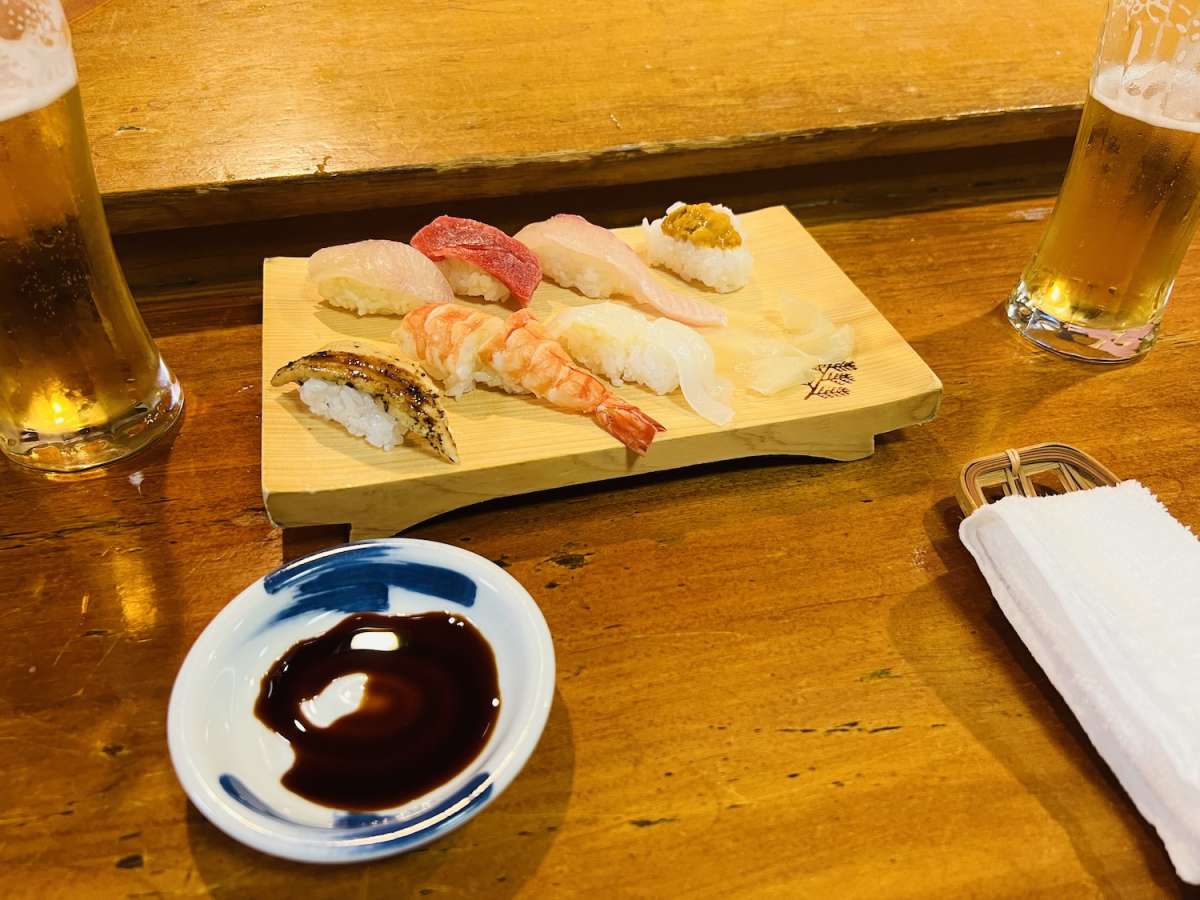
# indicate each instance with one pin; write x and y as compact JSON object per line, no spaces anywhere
{"x":493,"y":855}
{"x":303,"y":540}
{"x":1004,"y":730}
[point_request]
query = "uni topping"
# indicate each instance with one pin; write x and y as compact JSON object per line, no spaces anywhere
{"x":702,"y":224}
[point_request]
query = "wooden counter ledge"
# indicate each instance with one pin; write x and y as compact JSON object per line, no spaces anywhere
{"x":212,"y":112}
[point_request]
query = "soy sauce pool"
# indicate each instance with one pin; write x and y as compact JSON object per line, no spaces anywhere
{"x":430,"y":700}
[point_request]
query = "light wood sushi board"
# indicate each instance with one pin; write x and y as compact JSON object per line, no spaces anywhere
{"x":315,"y":473}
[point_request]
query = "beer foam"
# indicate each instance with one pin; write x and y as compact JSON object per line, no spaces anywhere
{"x":1159,"y":94}
{"x":36,"y":64}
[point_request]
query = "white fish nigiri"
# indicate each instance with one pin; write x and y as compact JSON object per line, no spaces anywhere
{"x":625,"y":345}
{"x":575,"y":253}
{"x":377,"y":277}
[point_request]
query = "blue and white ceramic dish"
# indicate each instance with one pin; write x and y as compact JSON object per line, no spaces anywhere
{"x":230,"y":763}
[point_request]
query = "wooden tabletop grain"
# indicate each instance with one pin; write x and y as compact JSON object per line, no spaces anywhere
{"x":775,"y":678}
{"x":225,"y":110}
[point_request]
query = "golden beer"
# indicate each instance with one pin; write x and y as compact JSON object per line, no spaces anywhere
{"x":81,"y":381}
{"x":1099,"y":282}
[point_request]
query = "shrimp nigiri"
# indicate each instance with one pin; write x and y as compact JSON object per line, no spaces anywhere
{"x":515,"y":354}
{"x":576,"y":253}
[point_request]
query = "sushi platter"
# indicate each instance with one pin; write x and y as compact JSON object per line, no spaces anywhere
{"x":315,"y":472}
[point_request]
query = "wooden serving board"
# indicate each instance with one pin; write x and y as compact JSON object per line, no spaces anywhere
{"x":315,"y":473}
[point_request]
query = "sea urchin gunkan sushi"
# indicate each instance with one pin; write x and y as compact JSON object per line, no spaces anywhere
{"x":700,"y":242}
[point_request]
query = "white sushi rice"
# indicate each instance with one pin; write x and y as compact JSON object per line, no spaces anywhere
{"x":612,"y":340}
{"x":366,"y":299}
{"x":361,"y":414}
{"x":575,"y":270}
{"x":468,"y":280}
{"x":624,"y":345}
{"x":722,"y":269}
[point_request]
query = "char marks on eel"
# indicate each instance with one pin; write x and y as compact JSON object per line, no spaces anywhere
{"x":388,"y":395}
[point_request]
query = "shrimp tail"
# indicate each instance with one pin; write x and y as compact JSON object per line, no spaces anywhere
{"x":627,"y":424}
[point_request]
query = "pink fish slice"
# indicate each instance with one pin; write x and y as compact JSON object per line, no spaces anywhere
{"x":575,"y":253}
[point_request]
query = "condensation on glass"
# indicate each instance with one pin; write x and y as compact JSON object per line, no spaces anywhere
{"x":81,"y":381}
{"x":1099,"y":282}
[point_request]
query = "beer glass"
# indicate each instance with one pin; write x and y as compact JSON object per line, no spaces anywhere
{"x":1099,"y":282}
{"x":81,"y":381}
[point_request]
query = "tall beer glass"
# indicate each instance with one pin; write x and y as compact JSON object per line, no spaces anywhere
{"x":1099,"y":282}
{"x":81,"y":382}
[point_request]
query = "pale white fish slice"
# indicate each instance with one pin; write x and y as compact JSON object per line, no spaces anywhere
{"x":704,"y":392}
{"x":771,"y":375}
{"x":813,"y":332}
{"x":575,"y":253}
{"x":377,"y":277}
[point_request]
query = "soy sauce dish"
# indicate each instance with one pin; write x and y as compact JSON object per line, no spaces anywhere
{"x":362,"y":701}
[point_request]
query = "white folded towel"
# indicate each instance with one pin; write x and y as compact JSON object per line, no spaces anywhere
{"x":1103,"y":586}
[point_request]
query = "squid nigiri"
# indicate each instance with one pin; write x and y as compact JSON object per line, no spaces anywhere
{"x":377,"y":277}
{"x":516,"y":355}
{"x":479,"y":260}
{"x":575,"y":253}
{"x":625,"y":345}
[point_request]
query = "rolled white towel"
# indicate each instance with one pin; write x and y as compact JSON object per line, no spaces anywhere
{"x":1103,"y":587}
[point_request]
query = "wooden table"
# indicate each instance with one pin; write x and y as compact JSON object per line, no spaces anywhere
{"x":776,"y":678}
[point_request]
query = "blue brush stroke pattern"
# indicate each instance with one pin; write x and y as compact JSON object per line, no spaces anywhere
{"x":357,"y":580}
{"x":360,"y":820}
{"x":356,"y":826}
{"x":298,"y":569}
{"x":236,"y":788}
{"x":457,"y":797}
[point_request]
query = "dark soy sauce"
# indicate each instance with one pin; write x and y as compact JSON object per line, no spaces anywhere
{"x":427,"y":708}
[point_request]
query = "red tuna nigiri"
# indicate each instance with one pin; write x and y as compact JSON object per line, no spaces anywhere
{"x":479,"y":260}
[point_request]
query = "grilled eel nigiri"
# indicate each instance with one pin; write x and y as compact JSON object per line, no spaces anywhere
{"x":373,"y":393}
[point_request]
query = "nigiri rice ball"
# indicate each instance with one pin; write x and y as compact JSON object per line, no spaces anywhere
{"x":366,"y":299}
{"x":359,"y":413}
{"x":371,"y":277}
{"x":468,"y":280}
{"x":722,"y":269}
{"x":633,"y":359}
